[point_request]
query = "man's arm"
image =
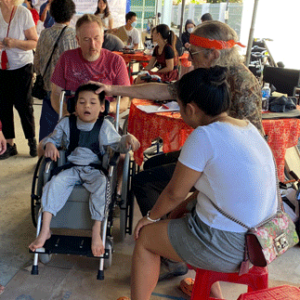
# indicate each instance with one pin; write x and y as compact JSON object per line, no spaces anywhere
{"x":55,"y":95}
{"x":151,"y":91}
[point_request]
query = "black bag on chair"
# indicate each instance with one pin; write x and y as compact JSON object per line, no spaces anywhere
{"x":38,"y":88}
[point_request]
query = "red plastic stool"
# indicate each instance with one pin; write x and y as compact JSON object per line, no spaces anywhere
{"x":276,"y":293}
{"x":256,"y":279}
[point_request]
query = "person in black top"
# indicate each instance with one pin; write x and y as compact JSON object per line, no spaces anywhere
{"x":185,"y":37}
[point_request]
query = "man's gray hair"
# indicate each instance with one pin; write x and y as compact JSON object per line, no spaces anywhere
{"x":217,"y":30}
{"x":88,"y":18}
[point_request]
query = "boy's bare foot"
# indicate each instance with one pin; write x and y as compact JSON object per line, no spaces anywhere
{"x":97,"y":245}
{"x":40,"y":240}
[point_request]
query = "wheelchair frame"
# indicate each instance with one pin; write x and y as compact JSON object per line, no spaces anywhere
{"x":126,"y":209}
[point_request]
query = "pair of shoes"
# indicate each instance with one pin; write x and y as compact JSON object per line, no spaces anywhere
{"x":10,"y":151}
{"x":169,"y":268}
{"x":32,"y":147}
{"x":186,"y":285}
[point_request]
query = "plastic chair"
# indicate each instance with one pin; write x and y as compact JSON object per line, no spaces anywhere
{"x":256,"y":279}
{"x":276,"y":293}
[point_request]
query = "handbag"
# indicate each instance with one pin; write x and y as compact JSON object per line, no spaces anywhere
{"x":4,"y":59}
{"x":38,"y":87}
{"x":269,"y":239}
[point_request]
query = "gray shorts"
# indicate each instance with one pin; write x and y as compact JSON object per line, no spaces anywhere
{"x":205,"y":247}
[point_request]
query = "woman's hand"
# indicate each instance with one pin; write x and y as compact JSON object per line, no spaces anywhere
{"x":2,"y":143}
{"x":141,"y":223}
{"x":9,"y":43}
{"x":138,"y":80}
{"x":187,"y":45}
{"x":132,"y":141}
{"x":51,"y":151}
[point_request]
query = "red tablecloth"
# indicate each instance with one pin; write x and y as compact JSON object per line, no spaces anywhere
{"x":282,"y":133}
{"x":141,"y":57}
{"x":147,"y":127}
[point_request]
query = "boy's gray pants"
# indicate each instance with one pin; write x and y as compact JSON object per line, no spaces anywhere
{"x":57,"y":191}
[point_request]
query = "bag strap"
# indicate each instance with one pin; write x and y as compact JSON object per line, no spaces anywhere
{"x":54,"y":47}
{"x":8,"y":27}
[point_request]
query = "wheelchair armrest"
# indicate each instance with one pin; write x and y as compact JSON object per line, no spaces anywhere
{"x":113,"y":163}
{"x":48,"y":168}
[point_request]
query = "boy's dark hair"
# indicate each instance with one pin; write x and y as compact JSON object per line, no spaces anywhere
{"x":62,"y":10}
{"x":89,"y":88}
{"x":207,"y":88}
{"x":206,"y":17}
{"x":129,"y":15}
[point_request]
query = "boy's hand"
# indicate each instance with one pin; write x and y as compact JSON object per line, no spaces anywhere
{"x":133,"y":142}
{"x":51,"y":152}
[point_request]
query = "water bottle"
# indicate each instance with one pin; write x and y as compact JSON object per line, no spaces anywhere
{"x":266,"y":93}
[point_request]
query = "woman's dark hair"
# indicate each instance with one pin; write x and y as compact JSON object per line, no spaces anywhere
{"x":106,"y":10}
{"x":207,"y":88}
{"x":168,"y":35}
{"x":62,"y":10}
{"x":89,"y":88}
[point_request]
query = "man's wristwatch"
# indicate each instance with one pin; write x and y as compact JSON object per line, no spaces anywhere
{"x":151,"y":220}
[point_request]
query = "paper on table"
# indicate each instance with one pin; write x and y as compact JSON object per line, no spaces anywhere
{"x":173,"y":106}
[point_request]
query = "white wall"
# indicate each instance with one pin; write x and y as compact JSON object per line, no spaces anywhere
{"x":278,"y":20}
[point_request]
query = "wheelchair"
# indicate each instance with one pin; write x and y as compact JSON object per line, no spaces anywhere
{"x":78,"y":206}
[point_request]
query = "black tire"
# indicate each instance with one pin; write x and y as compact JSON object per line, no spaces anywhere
{"x":36,"y":190}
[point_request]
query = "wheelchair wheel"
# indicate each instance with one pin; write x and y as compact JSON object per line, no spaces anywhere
{"x":36,"y":189}
{"x":108,"y":261}
{"x":45,"y":258}
{"x":127,"y":197}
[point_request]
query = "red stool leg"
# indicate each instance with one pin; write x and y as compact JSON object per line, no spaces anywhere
{"x":202,"y":285}
{"x":258,"y":278}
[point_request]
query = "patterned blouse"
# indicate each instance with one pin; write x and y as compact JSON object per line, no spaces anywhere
{"x":45,"y":46}
{"x":245,"y":95}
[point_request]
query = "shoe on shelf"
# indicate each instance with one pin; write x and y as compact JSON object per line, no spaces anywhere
{"x":32,"y":147}
{"x":186,"y":286}
{"x":169,"y":268}
{"x":10,"y":151}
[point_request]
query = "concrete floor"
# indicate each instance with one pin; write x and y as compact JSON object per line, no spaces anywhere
{"x":71,"y":277}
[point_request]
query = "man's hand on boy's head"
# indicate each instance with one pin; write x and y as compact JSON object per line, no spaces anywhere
{"x":51,"y":152}
{"x":102,"y":87}
{"x":133,"y":142}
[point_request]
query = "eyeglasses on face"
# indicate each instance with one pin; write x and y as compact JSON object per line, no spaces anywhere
{"x":193,"y":53}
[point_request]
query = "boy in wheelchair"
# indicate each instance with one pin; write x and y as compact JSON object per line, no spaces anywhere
{"x":86,"y":138}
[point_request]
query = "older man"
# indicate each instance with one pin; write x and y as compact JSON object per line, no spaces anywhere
{"x":88,"y":62}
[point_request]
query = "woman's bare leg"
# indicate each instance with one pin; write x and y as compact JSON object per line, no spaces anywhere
{"x":44,"y":234}
{"x":151,"y":245}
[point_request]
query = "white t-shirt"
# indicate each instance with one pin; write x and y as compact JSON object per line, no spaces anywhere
{"x":238,"y":174}
{"x":133,"y":37}
{"x":21,"y":21}
{"x":105,"y":20}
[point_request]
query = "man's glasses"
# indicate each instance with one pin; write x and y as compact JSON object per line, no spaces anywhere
{"x":193,"y":53}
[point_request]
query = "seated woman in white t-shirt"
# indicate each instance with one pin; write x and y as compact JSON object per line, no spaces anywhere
{"x":105,"y":15}
{"x":231,"y":166}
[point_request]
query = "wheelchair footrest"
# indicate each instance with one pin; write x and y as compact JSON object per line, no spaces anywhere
{"x":77,"y":245}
